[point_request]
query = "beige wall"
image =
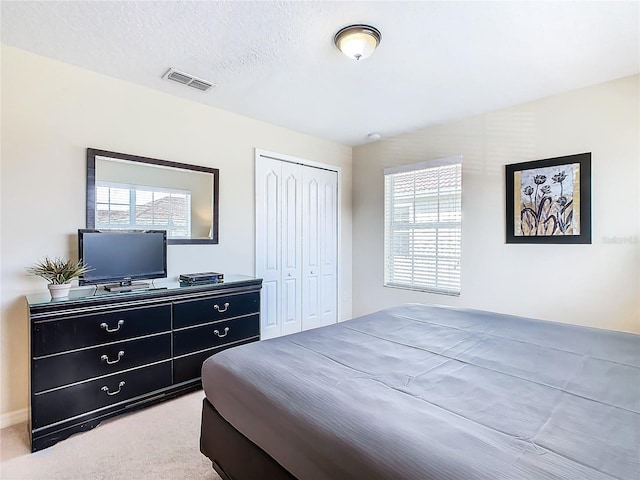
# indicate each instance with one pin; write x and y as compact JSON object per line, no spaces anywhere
{"x":51,"y":112}
{"x":595,"y":285}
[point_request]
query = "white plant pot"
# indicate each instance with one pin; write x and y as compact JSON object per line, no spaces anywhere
{"x":59,"y":290}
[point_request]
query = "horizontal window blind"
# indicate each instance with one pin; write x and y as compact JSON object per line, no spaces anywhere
{"x":122,"y":206}
{"x":423,"y":226}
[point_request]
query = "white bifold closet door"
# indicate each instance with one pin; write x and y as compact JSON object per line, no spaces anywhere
{"x":296,"y":246}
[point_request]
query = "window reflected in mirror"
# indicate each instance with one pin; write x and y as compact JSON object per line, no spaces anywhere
{"x":140,"y":207}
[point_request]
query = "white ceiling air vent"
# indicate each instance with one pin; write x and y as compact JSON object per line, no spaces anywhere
{"x":188,"y":80}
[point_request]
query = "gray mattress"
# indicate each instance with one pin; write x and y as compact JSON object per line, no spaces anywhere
{"x":435,"y":393}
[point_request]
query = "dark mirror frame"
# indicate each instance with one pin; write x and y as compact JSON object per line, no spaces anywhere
{"x":92,"y":153}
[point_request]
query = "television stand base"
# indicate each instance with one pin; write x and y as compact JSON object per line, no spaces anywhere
{"x":117,"y":287}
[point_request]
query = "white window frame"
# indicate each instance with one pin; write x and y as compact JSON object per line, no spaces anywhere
{"x":446,"y":280}
{"x":132,"y":224}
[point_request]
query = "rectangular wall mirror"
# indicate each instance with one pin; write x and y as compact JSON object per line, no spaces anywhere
{"x":128,"y":192}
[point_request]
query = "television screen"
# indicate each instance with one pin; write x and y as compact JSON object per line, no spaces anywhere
{"x":122,"y":255}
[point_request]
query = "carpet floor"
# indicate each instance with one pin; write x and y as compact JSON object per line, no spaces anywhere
{"x":159,"y":443}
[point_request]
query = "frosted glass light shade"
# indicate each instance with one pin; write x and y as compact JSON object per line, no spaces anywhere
{"x":357,"y":41}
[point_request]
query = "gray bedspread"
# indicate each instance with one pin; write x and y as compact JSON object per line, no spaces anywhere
{"x":436,"y":393}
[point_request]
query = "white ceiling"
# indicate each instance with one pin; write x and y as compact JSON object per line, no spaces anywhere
{"x":276,"y":62}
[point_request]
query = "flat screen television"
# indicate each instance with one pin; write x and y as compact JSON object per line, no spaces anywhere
{"x":122,"y":256}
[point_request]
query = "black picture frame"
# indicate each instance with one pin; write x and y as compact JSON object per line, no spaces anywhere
{"x":553,"y":198}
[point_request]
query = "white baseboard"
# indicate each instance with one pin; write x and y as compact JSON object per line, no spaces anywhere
{"x":13,"y":418}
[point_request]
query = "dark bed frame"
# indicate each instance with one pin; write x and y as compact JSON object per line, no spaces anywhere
{"x":234,"y":456}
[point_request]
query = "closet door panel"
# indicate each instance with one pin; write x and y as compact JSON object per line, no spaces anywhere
{"x":268,"y":248}
{"x":291,"y":248}
{"x":311,"y":247}
{"x":328,"y":248}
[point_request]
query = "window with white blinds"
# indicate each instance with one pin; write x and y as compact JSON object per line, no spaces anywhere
{"x":133,"y":207}
{"x":423,"y":226}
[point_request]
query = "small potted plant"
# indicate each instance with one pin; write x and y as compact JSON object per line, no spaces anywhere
{"x":58,"y":272}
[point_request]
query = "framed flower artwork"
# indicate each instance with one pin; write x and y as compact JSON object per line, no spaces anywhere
{"x":549,"y":201}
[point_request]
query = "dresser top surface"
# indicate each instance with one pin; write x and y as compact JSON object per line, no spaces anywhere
{"x":89,"y":293}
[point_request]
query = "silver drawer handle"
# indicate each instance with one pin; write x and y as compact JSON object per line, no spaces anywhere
{"x":105,"y":358}
{"x":226,"y":330}
{"x":106,"y":389}
{"x":106,"y":327}
{"x":224,"y":309}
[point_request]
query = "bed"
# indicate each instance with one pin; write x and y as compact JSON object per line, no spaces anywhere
{"x":430,"y":393}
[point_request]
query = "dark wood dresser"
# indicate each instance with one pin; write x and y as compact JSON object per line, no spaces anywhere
{"x":95,"y":355}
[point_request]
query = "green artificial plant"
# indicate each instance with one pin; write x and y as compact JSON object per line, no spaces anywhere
{"x":58,"y":270}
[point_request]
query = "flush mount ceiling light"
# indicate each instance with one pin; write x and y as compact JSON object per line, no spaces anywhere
{"x":357,"y":41}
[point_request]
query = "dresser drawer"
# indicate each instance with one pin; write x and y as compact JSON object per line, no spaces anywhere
{"x":210,"y":309}
{"x":215,"y":334}
{"x":62,"y":404}
{"x":88,"y":330}
{"x":189,"y":367}
{"x":63,"y":369}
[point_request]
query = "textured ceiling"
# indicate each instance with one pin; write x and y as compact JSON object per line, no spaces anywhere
{"x":276,"y":62}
